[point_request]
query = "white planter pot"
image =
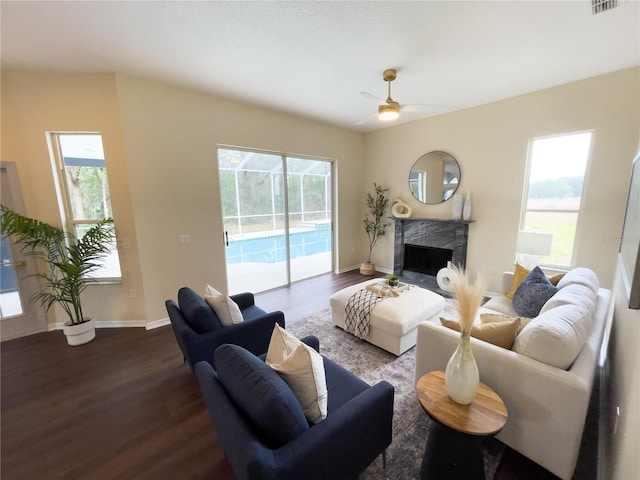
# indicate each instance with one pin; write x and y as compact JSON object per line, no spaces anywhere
{"x":80,"y":333}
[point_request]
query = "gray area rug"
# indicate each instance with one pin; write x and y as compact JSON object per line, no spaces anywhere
{"x":372,"y":364}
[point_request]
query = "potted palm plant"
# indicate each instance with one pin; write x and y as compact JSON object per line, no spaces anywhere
{"x":68,"y":263}
{"x":374,"y":223}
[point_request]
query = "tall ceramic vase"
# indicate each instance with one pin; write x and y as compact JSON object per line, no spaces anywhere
{"x":461,"y":375}
{"x":466,"y":209}
{"x":456,"y":210}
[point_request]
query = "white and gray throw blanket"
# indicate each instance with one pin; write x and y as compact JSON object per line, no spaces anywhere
{"x":358,"y":310}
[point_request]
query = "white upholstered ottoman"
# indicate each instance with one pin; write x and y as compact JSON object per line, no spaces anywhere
{"x":394,"y":320}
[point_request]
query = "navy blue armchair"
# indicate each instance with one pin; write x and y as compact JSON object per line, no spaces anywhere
{"x":265,"y":435}
{"x":199,"y":332}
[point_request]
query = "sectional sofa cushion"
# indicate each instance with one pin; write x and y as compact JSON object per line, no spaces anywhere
{"x":303,"y":370}
{"x":581,"y":276}
{"x":574,"y":294}
{"x":197,"y":312}
{"x":533,"y":293}
{"x":556,"y":336}
{"x":261,"y":394}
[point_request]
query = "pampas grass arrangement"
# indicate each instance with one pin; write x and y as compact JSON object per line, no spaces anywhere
{"x":468,"y":296}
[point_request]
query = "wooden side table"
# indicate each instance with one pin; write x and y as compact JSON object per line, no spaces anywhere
{"x":454,"y":448}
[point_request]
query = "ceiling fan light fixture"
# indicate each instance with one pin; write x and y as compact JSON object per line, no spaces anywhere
{"x":389,"y":111}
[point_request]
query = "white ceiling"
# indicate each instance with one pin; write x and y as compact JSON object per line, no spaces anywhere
{"x":313,"y":58}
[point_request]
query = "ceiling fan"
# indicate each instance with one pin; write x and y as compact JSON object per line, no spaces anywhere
{"x":390,"y":109}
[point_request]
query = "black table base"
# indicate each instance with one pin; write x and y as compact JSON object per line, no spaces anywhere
{"x":452,"y":455}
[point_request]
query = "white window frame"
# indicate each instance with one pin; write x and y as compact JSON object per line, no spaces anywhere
{"x":64,"y":198}
{"x":578,"y":211}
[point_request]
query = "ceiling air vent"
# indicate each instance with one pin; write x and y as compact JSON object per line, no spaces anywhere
{"x":599,"y":6}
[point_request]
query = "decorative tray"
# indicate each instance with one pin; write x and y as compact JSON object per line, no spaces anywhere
{"x":384,"y":284}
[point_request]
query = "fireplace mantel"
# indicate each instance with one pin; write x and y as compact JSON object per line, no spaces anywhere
{"x":429,"y":232}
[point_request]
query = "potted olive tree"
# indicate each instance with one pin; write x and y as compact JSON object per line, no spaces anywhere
{"x":67,"y":264}
{"x":374,"y":223}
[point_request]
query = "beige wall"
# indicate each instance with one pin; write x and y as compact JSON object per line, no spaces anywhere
{"x":171,"y":137}
{"x":620,"y":423}
{"x":33,"y":104}
{"x":622,"y":437}
{"x":490,"y":143}
{"x":160,"y":145}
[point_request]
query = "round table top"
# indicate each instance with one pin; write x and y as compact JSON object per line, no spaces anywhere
{"x":486,"y":415}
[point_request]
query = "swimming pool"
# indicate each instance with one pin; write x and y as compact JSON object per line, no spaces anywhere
{"x":272,"y":248}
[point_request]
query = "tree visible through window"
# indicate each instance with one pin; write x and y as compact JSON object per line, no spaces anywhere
{"x":83,"y":184}
{"x":556,"y":170}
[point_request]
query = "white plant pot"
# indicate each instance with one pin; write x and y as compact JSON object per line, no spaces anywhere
{"x":80,"y":333}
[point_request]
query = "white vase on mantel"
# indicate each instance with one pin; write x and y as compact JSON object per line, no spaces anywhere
{"x":456,"y":210}
{"x":466,"y":210}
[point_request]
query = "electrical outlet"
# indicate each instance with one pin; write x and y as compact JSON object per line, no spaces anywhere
{"x":132,"y":293}
{"x":490,"y":269}
{"x":124,"y":242}
{"x":183,"y":238}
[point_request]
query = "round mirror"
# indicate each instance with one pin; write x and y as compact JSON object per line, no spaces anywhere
{"x":434,"y":177}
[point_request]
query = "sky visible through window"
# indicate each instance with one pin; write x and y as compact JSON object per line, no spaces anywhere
{"x":562,"y":156}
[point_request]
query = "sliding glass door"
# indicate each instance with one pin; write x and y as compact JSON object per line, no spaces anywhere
{"x":277,"y":215}
{"x":309,"y":209}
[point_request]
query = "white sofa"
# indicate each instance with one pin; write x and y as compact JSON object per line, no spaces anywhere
{"x":547,"y":403}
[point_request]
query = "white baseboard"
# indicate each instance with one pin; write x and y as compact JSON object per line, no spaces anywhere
{"x":158,"y":323}
{"x":348,"y":269}
{"x":107,"y":324}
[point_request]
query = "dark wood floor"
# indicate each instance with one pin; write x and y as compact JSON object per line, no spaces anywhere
{"x":125,"y":406}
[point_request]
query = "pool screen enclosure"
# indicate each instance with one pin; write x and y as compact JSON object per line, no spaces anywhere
{"x":277,"y":214}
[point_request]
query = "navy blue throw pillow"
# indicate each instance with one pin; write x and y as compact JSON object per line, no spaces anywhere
{"x":261,"y":394}
{"x":533,"y":293}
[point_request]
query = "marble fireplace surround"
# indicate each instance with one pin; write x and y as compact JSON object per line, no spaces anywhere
{"x":452,"y":235}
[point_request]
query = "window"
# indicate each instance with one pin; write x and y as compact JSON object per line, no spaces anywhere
{"x":83,"y":189}
{"x":553,"y":191}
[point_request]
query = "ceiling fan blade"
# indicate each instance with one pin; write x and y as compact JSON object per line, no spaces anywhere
{"x":367,"y":119}
{"x":425,"y":107}
{"x":369,"y":96}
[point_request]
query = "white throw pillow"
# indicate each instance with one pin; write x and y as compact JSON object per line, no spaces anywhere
{"x":303,"y":370}
{"x":210,"y":291}
{"x":556,"y":336}
{"x":226,"y":309}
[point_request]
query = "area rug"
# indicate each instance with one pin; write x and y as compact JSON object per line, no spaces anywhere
{"x":372,"y":364}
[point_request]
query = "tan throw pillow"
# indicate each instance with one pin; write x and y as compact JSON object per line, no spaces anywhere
{"x":501,"y":334}
{"x":493,"y":318}
{"x":226,"y":309}
{"x":554,"y":279}
{"x":303,"y":369}
{"x":519,"y":274}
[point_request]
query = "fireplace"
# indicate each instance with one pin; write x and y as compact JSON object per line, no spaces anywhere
{"x":422,"y":246}
{"x":426,"y":260}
